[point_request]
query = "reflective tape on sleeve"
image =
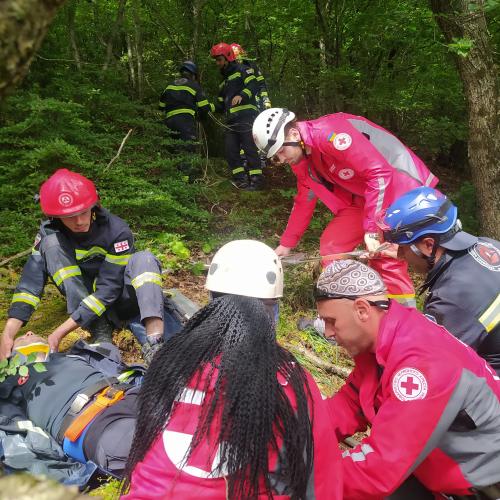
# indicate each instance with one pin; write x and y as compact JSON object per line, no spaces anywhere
{"x":94,"y":304}
{"x":27,"y":298}
{"x":490,"y":318}
{"x":119,"y":260}
{"x":66,"y":272}
{"x":147,"y":277}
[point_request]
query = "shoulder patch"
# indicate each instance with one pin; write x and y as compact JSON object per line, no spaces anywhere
{"x":409,"y":384}
{"x":346,"y":173}
{"x":342,"y":141}
{"x":121,"y":246}
{"x":487,"y":255}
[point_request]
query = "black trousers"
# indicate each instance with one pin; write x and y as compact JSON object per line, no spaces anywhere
{"x":109,"y":437}
{"x":237,"y":137}
{"x":183,"y":128}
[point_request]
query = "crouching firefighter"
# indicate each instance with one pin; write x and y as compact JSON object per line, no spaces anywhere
{"x":85,"y":399}
{"x":89,"y":255}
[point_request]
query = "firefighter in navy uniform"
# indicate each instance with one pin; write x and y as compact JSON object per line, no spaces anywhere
{"x":237,"y":100}
{"x":262,"y":96}
{"x":463,"y":271}
{"x":182,"y":101}
{"x":89,"y":255}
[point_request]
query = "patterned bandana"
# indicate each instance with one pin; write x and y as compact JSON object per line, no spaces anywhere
{"x":350,"y":278}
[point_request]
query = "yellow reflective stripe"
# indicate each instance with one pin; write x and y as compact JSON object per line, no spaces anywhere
{"x":249,"y":79}
{"x":66,"y":272}
{"x":212,"y":107}
{"x":120,"y":260}
{"x":200,"y":104}
{"x":34,"y":252}
{"x":27,"y":298}
{"x":259,"y":78}
{"x":94,"y":304}
{"x":147,"y":277}
{"x":237,"y":170}
{"x":257,"y":171}
{"x":234,"y":76}
{"x":125,"y":375}
{"x":221,"y":84}
{"x":180,"y":111}
{"x":182,"y":87}
{"x":162,"y":104}
{"x":264,"y":93}
{"x":247,"y":92}
{"x":220,"y":99}
{"x":85,"y":254}
{"x":491,"y":316}
{"x":401,"y":296}
{"x":241,"y":108}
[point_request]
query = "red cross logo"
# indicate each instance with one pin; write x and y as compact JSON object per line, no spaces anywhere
{"x":408,"y":385}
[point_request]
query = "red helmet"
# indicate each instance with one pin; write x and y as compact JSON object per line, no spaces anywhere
{"x":67,"y":193}
{"x":238,"y":50}
{"x":222,"y":49}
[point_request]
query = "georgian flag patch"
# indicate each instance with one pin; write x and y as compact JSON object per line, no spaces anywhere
{"x":121,"y":246}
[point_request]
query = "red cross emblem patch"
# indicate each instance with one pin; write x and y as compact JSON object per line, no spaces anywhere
{"x":409,"y":384}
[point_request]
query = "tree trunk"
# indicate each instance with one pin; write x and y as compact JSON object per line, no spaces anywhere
{"x":465,"y":19}
{"x":131,"y":62}
{"x":23,"y":26}
{"x":114,"y":33}
{"x":72,"y":34}
{"x":138,"y":47}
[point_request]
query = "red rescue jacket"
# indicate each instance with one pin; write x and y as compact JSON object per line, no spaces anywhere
{"x":163,"y":473}
{"x":360,"y":159}
{"x":433,"y":407}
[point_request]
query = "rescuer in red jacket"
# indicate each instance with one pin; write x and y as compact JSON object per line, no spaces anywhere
{"x":226,"y":412}
{"x":432,"y":403}
{"x":356,"y":168}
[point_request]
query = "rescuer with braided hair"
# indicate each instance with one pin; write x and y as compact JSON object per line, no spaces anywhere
{"x":226,"y":412}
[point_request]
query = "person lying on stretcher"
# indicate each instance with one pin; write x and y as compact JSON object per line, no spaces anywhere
{"x":85,"y":399}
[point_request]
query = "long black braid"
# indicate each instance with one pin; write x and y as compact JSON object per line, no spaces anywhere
{"x":256,"y":414}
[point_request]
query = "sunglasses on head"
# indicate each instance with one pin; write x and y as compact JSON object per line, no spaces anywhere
{"x":320,"y":294}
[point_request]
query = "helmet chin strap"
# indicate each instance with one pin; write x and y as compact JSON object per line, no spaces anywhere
{"x":430,"y":259}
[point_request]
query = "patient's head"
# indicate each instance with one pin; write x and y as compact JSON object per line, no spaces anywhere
{"x":30,"y":343}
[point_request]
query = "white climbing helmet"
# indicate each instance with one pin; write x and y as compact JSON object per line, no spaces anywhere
{"x":246,"y":267}
{"x":269,"y":129}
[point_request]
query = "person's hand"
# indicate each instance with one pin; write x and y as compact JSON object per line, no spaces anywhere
{"x":236,"y":100}
{"x":372,"y":243}
{"x":6,"y":345}
{"x":54,"y":339}
{"x":282,"y":251}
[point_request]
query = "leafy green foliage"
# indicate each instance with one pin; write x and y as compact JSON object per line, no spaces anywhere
{"x":17,"y":365}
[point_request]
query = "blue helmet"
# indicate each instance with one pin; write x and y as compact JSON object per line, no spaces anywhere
{"x":189,"y":66}
{"x":422,"y":211}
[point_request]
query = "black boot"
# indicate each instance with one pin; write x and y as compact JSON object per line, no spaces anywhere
{"x":101,"y":330}
{"x":256,"y":183}
{"x":240,"y":181}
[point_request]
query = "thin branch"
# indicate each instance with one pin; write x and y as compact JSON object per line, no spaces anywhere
{"x":119,"y":149}
{"x":14,"y":257}
{"x":317,"y":361}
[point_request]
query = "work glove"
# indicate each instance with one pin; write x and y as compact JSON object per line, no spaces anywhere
{"x":151,"y":347}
